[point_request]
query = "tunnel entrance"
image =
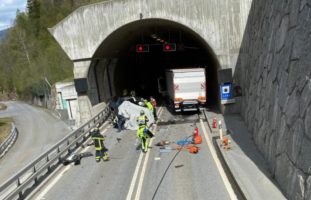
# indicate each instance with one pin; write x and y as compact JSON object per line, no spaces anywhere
{"x":127,"y":68}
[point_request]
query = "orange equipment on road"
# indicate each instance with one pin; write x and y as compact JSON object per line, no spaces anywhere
{"x":197,"y":139}
{"x":190,"y":148}
{"x":225,"y":143}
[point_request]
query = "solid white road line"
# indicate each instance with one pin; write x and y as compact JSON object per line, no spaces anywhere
{"x":59,"y":176}
{"x":133,"y":182}
{"x":218,"y":164}
{"x":130,"y":192}
{"x":143,"y":171}
{"x":142,"y":175}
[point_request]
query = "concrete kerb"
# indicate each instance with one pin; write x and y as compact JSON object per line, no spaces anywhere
{"x":9,"y":141}
{"x":236,"y":184}
{"x":244,"y":164}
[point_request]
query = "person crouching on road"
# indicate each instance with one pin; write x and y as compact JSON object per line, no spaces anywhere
{"x":142,"y":125}
{"x":100,"y":149}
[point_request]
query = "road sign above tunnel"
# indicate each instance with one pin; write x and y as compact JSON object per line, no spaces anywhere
{"x":169,"y":47}
{"x":142,"y":48}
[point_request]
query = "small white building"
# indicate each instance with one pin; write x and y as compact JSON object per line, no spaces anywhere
{"x":67,"y":98}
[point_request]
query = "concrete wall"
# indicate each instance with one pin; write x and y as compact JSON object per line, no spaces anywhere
{"x":274,"y":71}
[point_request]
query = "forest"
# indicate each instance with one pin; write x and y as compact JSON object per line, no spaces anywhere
{"x":30,"y":58}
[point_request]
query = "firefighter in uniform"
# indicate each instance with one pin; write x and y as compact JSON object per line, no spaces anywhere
{"x":142,"y":125}
{"x":100,"y":149}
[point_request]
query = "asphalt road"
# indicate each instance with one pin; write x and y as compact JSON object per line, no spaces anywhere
{"x":187,"y":176}
{"x":38,"y":131}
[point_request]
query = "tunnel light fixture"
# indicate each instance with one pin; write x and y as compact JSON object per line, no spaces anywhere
{"x":141,"y":48}
{"x":169,"y":47}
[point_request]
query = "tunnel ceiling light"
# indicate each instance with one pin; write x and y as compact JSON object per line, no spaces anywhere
{"x":141,"y":48}
{"x":169,"y":47}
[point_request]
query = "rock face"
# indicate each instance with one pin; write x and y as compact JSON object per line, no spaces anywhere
{"x":274,"y":71}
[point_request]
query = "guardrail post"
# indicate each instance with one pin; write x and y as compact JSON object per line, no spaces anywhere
{"x":47,"y":160}
{"x":34,"y":171}
{"x":20,"y":194}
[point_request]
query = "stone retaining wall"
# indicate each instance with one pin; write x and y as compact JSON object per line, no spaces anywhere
{"x":274,"y":71}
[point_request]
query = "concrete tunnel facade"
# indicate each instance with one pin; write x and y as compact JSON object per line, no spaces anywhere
{"x":93,"y":37}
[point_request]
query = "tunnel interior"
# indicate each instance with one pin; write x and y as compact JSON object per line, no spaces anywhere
{"x":139,"y":71}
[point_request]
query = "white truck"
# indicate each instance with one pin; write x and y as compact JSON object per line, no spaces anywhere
{"x":186,"y":88}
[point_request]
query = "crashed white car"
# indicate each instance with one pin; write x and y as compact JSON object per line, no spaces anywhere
{"x":131,"y":111}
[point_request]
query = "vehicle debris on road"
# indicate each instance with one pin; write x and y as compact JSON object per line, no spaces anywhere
{"x":76,"y":158}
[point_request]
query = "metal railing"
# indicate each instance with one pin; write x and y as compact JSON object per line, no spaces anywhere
{"x":22,"y":183}
{"x":7,"y":143}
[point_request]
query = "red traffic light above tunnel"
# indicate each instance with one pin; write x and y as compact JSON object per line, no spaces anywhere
{"x":169,"y":47}
{"x":141,"y":48}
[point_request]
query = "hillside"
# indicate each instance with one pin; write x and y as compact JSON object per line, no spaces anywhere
{"x":29,"y":54}
{"x":2,"y":34}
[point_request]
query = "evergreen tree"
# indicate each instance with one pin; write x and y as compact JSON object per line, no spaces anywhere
{"x":29,"y":53}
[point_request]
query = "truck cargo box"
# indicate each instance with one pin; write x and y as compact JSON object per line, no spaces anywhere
{"x":186,"y":88}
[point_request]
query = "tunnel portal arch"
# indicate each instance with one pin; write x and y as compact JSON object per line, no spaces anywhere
{"x":220,"y":24}
{"x":116,"y":66}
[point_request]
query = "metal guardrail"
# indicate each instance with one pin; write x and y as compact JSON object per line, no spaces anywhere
{"x":6,"y":145}
{"x":21,"y":184}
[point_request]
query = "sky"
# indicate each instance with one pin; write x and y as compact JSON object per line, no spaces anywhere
{"x":8,"y":11}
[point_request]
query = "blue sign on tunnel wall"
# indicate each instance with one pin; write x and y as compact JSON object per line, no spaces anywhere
{"x":226,"y":91}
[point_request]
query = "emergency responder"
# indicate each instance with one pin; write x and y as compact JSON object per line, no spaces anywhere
{"x":150,"y":107}
{"x":98,"y":141}
{"x":154,"y":104}
{"x":142,"y":125}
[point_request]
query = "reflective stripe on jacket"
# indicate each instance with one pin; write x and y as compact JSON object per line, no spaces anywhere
{"x":149,"y":105}
{"x":98,"y":141}
{"x":142,"y":121}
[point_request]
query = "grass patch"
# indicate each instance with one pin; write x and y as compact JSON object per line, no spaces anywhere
{"x":5,"y":128}
{"x":2,"y":106}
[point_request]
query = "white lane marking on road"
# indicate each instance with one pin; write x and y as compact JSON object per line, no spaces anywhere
{"x":130,"y":192}
{"x":157,"y":158}
{"x":143,"y":171}
{"x":59,"y":176}
{"x":218,"y":164}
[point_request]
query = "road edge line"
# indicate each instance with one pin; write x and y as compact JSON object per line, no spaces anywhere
{"x":143,"y":171}
{"x":54,"y":178}
{"x":218,"y":164}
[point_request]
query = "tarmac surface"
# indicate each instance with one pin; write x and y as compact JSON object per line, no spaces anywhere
{"x":161,"y":175}
{"x":169,"y":173}
{"x":38,"y":131}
